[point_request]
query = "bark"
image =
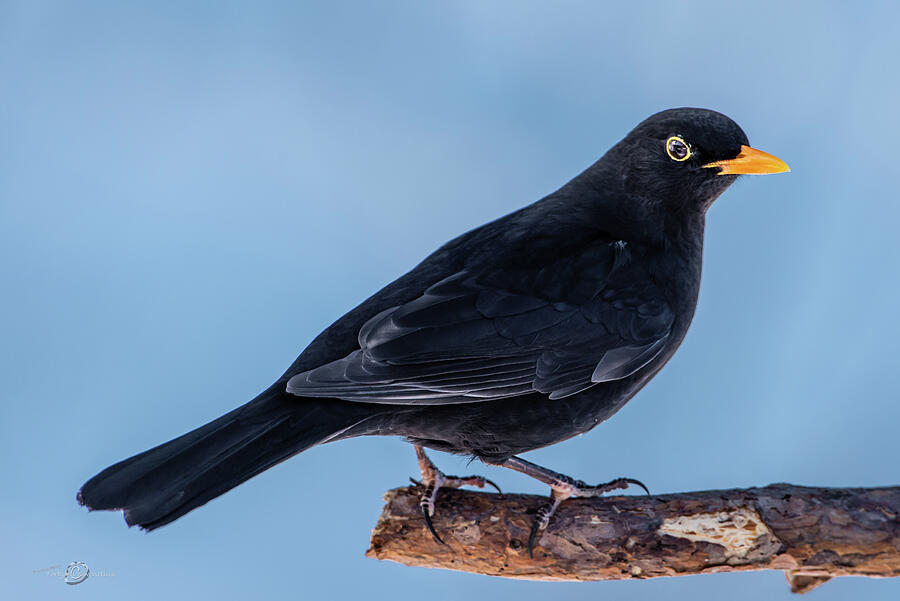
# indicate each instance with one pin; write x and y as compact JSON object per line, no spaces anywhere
{"x":813,"y":534}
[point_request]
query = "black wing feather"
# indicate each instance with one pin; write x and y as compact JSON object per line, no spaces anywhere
{"x":558,"y":330}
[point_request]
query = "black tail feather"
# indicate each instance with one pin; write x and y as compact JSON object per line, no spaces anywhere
{"x":160,"y":485}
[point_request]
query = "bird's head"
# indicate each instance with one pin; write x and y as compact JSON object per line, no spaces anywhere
{"x":686,"y":157}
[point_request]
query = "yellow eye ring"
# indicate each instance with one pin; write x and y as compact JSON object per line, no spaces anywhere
{"x":678,"y":149}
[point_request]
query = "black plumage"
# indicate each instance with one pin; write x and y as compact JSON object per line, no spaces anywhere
{"x":519,"y":334}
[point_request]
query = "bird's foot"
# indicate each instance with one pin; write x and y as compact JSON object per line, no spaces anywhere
{"x":433,"y":480}
{"x":561,"y":488}
{"x":564,"y":487}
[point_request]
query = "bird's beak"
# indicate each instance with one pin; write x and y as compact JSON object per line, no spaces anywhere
{"x":750,"y":162}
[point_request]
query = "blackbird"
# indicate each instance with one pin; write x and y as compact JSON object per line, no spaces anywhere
{"x":519,"y":334}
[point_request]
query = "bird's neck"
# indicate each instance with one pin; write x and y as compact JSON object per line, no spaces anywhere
{"x":605,"y":200}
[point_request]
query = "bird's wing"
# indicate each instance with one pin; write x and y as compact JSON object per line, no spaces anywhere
{"x":559,"y":330}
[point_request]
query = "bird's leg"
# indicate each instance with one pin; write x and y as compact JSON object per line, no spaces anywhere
{"x":561,"y":488}
{"x":433,"y":480}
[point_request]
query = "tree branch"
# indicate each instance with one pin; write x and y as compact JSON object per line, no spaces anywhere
{"x":812,"y":534}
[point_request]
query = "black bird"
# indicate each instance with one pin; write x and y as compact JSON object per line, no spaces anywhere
{"x":516,"y":335}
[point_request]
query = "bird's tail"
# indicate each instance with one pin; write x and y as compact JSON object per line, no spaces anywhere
{"x":160,"y":485}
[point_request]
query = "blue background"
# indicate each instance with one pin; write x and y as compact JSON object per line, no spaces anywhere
{"x":190,"y":192}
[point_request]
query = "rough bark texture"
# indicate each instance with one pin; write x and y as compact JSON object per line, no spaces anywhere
{"x":812,"y":534}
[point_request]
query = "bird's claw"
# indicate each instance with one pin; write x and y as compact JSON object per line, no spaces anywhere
{"x":637,"y":483}
{"x":541,"y":519}
{"x":476,"y":481}
{"x":426,"y":503}
{"x":433,"y":480}
{"x":565,"y":487}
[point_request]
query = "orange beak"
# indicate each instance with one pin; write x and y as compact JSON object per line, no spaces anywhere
{"x":750,"y":162}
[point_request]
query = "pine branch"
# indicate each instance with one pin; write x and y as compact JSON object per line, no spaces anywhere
{"x":813,"y":534}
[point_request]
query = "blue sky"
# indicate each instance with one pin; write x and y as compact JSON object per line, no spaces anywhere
{"x":190,"y":192}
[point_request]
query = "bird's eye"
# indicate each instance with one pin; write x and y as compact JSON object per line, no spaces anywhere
{"x":677,"y":149}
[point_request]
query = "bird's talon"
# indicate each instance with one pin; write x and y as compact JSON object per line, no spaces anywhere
{"x":637,"y":483}
{"x":534,"y":530}
{"x":541,"y":520}
{"x":497,"y":488}
{"x":433,"y":480}
{"x":426,"y":513}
